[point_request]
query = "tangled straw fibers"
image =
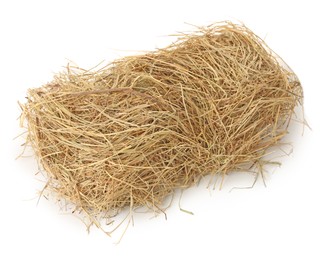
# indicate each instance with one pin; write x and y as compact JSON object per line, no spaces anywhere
{"x":131,"y":133}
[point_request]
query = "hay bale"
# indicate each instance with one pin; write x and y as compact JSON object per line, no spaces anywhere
{"x":133,"y":132}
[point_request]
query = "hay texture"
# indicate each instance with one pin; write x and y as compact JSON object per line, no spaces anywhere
{"x":131,"y":133}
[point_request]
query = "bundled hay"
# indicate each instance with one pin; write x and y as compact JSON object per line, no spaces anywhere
{"x":133,"y":132}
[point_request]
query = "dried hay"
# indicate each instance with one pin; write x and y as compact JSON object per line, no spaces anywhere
{"x":131,"y":133}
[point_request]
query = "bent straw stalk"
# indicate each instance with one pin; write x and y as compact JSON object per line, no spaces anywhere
{"x":131,"y":133}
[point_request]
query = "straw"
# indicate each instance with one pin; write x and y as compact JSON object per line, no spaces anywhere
{"x":130,"y":134}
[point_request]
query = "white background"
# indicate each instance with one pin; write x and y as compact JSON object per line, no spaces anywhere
{"x":286,"y":220}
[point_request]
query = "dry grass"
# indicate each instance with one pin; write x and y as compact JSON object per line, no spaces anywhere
{"x":131,"y":133}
